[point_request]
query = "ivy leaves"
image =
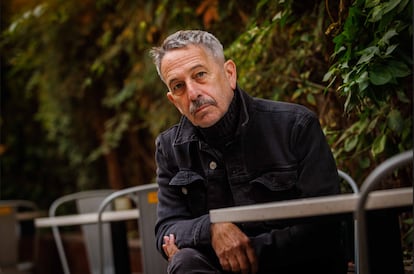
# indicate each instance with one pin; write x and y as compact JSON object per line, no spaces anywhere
{"x":367,"y":51}
{"x":372,"y":60}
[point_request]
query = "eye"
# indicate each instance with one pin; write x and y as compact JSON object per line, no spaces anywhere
{"x":200,"y":74}
{"x":178,"y":88}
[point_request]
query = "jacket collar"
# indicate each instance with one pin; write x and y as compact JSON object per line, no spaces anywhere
{"x":187,"y":132}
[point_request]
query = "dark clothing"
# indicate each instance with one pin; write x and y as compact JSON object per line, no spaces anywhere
{"x":278,"y":152}
{"x":198,"y":264}
{"x":192,"y":261}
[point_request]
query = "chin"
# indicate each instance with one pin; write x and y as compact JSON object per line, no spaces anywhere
{"x":207,"y":120}
{"x":206,"y":124}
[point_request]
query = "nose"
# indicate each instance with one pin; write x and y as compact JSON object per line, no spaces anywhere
{"x":193,"y":92}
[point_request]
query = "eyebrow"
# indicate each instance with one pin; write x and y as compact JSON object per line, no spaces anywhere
{"x":191,"y":69}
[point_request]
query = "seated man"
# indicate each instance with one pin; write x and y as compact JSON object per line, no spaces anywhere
{"x":231,"y":149}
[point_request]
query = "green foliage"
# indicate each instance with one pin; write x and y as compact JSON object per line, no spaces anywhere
{"x":97,"y":97}
{"x":277,"y":56}
{"x":373,"y":70}
{"x":79,"y":76}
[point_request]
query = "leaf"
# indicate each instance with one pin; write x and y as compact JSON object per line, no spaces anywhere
{"x":371,"y":3}
{"x":209,"y":10}
{"x":347,"y":104}
{"x":368,"y":54}
{"x":296,"y":94}
{"x":390,"y":5}
{"x":378,"y":145}
{"x":351,"y":143}
{"x":398,"y":69}
{"x":402,"y":5}
{"x":408,"y":221}
{"x":390,"y":50}
{"x":363,"y":81}
{"x":380,"y":10}
{"x":372,"y":124}
{"x":395,"y":121}
{"x":311,"y":99}
{"x":364,"y":162}
{"x":328,"y":75}
{"x":385,"y":39}
{"x":402,"y":97}
{"x":277,"y":16}
{"x":379,"y":75}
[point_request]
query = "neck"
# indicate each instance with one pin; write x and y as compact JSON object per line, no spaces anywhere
{"x":224,"y":130}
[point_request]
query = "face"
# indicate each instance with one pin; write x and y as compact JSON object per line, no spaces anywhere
{"x":199,"y":86}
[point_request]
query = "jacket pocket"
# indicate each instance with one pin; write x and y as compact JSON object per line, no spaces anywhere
{"x":275,"y":186}
{"x":192,"y":187}
{"x":186,"y":177}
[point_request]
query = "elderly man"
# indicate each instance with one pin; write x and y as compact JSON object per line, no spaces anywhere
{"x":232,"y":149}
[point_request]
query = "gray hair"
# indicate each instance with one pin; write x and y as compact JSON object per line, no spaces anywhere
{"x":182,"y":39}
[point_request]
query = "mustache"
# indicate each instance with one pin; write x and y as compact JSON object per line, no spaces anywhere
{"x":199,"y":102}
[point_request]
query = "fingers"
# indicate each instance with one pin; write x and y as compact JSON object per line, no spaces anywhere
{"x":169,"y":239}
{"x":165,"y":245}
{"x":233,"y":248}
{"x":251,"y":255}
{"x":241,"y":263}
{"x":225,"y":264}
{"x":172,"y":239}
{"x":233,"y":265}
{"x":169,"y":246}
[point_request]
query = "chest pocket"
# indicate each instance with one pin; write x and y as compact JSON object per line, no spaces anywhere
{"x":192,"y":187}
{"x":275,"y":186}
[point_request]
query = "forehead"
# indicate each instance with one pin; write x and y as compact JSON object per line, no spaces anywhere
{"x":184,"y":59}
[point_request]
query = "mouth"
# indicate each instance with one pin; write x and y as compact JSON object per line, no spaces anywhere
{"x":200,"y":108}
{"x":200,"y":104}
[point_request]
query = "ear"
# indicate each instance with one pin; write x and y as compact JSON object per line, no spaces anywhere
{"x":231,"y":73}
{"x":170,"y":97}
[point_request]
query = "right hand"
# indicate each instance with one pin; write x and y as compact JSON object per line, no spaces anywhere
{"x":233,"y":248}
{"x":169,"y":246}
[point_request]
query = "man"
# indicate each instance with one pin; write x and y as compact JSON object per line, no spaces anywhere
{"x":232,"y":149}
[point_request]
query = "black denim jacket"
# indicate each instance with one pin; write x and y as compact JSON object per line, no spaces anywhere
{"x":279,"y":153}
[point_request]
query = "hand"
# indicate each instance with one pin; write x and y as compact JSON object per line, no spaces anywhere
{"x":169,"y":246}
{"x":233,"y":248}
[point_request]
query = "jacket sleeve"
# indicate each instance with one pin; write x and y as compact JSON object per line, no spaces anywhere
{"x":317,"y":176}
{"x":173,"y":215}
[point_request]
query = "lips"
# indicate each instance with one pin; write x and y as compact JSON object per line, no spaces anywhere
{"x":201,"y":108}
{"x":200,"y":104}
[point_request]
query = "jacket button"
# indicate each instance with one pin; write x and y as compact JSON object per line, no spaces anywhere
{"x":184,"y":190}
{"x":213,"y":165}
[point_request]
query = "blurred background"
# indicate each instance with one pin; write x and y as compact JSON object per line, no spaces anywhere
{"x":81,"y":102}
